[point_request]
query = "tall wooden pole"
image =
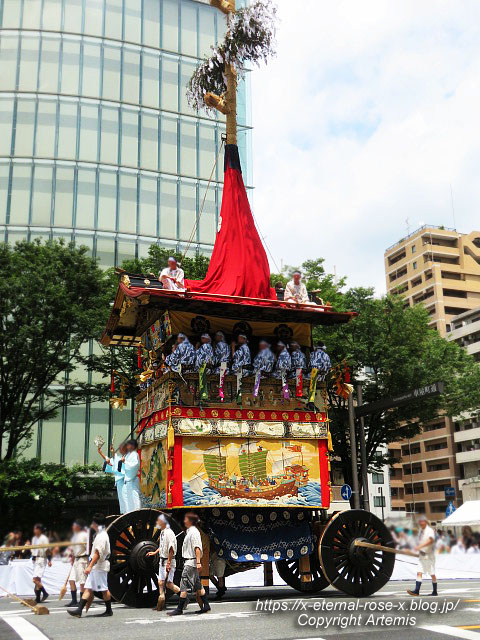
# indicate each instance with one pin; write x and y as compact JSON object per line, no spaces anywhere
{"x":227,"y":104}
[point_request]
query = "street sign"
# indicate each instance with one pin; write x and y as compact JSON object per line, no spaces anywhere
{"x":449,"y":492}
{"x":450,"y":509}
{"x":346,"y":492}
{"x":404,"y":398}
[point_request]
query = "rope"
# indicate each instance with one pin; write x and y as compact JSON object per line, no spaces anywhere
{"x":195,"y":226}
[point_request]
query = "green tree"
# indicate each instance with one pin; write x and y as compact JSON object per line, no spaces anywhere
{"x":390,"y":348}
{"x":53,"y":299}
{"x":35,"y":492}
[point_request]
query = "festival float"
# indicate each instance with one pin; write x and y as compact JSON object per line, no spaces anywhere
{"x":249,"y":454}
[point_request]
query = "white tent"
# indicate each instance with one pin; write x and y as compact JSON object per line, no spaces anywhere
{"x":467,"y":514}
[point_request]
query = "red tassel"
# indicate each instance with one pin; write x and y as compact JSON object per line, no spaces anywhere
{"x":112,"y":385}
{"x":139,"y":360}
{"x":347,"y":373}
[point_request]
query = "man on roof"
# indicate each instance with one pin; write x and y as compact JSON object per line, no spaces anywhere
{"x":296,"y":291}
{"x":172,"y":277}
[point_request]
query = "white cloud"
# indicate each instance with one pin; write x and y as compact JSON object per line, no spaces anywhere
{"x":363,"y":120}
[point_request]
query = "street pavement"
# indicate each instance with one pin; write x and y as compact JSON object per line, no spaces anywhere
{"x":269,"y":613}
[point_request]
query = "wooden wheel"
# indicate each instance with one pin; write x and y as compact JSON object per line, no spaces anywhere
{"x":133,"y":576}
{"x":289,"y":570}
{"x":355,"y":570}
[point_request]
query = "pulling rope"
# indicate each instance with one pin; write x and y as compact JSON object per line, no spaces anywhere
{"x":195,"y":226}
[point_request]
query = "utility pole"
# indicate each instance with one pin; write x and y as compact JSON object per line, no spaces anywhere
{"x":363,"y":452}
{"x":353,"y":453}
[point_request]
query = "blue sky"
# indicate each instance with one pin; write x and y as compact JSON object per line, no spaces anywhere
{"x":367,"y":115}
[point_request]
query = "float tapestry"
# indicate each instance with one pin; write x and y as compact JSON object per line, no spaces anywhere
{"x":154,"y":475}
{"x":238,"y":471}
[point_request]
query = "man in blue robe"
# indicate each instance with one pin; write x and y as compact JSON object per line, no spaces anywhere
{"x":222,"y":351}
{"x":131,"y":467}
{"x":283,"y":363}
{"x":299,"y":361}
{"x":264,"y":360}
{"x":242,"y":359}
{"x":204,"y":354}
{"x":183,"y":354}
{"x":320,"y":360}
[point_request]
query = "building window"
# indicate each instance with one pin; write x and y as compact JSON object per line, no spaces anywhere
{"x":414,"y":249}
{"x":414,"y":264}
{"x":378,"y":478}
{"x":378,"y":501}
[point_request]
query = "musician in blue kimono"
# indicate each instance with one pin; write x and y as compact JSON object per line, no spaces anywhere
{"x":284,"y":361}
{"x":264,"y":360}
{"x":299,"y":361}
{"x":320,"y":360}
{"x":204,"y":354}
{"x":242,"y":359}
{"x":222,"y":351}
{"x":182,"y":354}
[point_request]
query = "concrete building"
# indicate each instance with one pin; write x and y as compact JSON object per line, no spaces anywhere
{"x":98,"y":146}
{"x":465,"y":331}
{"x":439,"y":268}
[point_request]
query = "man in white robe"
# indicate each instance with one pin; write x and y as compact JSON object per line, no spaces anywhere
{"x":131,"y":467}
{"x":296,"y":291}
{"x":172,"y":277}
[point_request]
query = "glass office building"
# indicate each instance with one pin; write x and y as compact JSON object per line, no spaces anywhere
{"x":99,"y":146}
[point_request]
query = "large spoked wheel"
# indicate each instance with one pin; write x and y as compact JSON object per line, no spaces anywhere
{"x":356,"y":571}
{"x":290,"y":571}
{"x":133,"y":577}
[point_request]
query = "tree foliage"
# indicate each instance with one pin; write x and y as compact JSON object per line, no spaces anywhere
{"x":35,"y":492}
{"x":390,"y":349}
{"x":53,"y":298}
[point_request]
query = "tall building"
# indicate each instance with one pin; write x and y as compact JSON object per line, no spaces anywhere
{"x":99,"y":146}
{"x":465,"y":331}
{"x":439,"y":268}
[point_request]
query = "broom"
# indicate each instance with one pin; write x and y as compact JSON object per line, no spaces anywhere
{"x":63,"y":590}
{"x":38,"y":609}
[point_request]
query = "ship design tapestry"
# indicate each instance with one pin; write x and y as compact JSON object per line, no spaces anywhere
{"x":260,"y":535}
{"x":153,"y":477}
{"x":250,"y":472}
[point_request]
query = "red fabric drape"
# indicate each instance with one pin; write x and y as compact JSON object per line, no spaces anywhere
{"x":239,"y":264}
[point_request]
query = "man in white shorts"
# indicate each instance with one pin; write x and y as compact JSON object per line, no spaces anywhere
{"x":167,"y":550}
{"x":40,"y":558}
{"x":426,"y":561}
{"x":79,"y":559}
{"x":97,"y":569}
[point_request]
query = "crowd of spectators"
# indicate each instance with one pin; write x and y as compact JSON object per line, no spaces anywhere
{"x":19,"y":538}
{"x":445,"y":540}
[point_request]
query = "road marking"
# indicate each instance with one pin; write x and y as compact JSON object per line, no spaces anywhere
{"x":25,"y":629}
{"x":187,"y":617}
{"x":456,"y":632}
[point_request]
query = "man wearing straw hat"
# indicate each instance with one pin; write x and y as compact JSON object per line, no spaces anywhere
{"x":167,"y":550}
{"x":116,"y":465}
{"x":172,"y":277}
{"x":97,"y":569}
{"x":79,"y":560}
{"x":426,"y":561}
